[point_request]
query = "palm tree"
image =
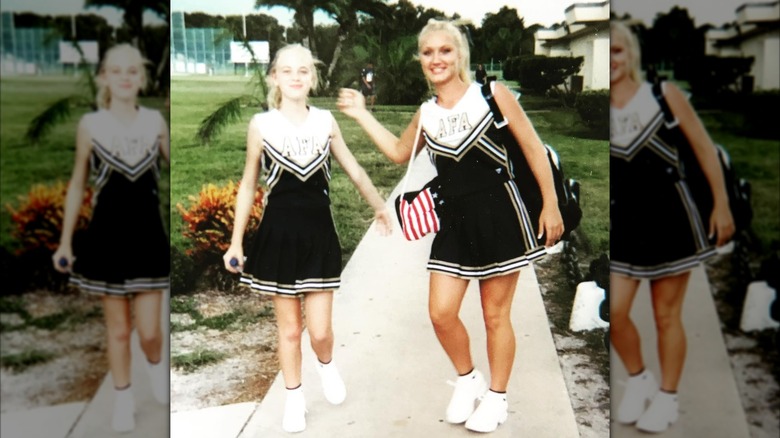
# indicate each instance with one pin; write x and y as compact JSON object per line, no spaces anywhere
{"x":230,"y":110}
{"x":133,"y":14}
{"x":61,"y":110}
{"x":345,"y":12}
{"x":304,"y":14}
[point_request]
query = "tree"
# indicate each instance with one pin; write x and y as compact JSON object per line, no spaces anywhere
{"x":133,"y":11}
{"x":304,"y":14}
{"x":345,"y":12}
{"x":672,"y":40}
{"x":502,"y":34}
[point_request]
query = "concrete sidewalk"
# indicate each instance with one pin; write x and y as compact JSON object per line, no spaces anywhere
{"x":710,"y":404}
{"x":394,"y":368}
{"x":93,"y":419}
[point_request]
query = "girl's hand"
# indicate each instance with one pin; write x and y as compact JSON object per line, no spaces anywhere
{"x":234,"y":260}
{"x":351,"y":102}
{"x":63,"y":259}
{"x":721,"y":225}
{"x":384,"y":223}
{"x":550,"y":225}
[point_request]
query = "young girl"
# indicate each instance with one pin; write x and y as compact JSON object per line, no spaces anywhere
{"x":124,"y":256}
{"x":296,"y":251}
{"x":657,"y":233}
{"x":486,"y":233}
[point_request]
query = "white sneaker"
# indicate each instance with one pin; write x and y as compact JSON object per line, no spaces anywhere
{"x":123,"y":419}
{"x":332,"y":384}
{"x":639,"y":390}
{"x":294,"y":419}
{"x":159,"y":378}
{"x":468,"y":389}
{"x":491,"y":412}
{"x":663,"y":411}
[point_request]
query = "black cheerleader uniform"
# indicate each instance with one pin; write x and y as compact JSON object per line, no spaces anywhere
{"x":125,"y":248}
{"x":485,"y":230}
{"x":655,"y":228}
{"x":296,"y":248}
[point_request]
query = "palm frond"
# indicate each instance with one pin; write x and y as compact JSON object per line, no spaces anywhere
{"x":215,"y":122}
{"x":57,"y":112}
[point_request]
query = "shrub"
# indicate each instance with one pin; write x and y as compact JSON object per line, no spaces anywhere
{"x":182,"y":272}
{"x":38,"y":217}
{"x":540,"y":73}
{"x":37,"y":224}
{"x":760,"y":110}
{"x":593,"y":107}
{"x":209,"y":221}
{"x":714,"y":74}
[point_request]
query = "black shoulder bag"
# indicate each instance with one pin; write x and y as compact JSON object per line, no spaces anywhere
{"x":567,"y":189}
{"x":737,"y":189}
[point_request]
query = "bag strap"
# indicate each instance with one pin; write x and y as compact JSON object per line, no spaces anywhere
{"x":669,"y":119}
{"x":498,"y":118}
{"x":414,"y":153}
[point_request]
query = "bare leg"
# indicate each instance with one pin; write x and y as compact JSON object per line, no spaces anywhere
{"x":289,"y":322}
{"x":496,"y":294}
{"x":668,"y":295}
{"x":319,"y":311}
{"x":622,"y":332}
{"x":148,"y":306}
{"x":446,"y":296}
{"x":116,"y":311}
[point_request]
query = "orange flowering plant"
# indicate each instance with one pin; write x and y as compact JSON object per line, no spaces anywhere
{"x":210,"y":216}
{"x":38,"y":216}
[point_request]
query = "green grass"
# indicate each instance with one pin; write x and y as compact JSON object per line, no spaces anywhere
{"x":24,"y":164}
{"x":190,"y":362}
{"x":758,"y":161}
{"x":21,"y":361}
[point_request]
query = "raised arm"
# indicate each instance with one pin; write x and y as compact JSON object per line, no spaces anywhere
{"x":721,"y":222}
{"x":398,"y":150}
{"x":360,"y":178}
{"x":245,"y":197}
{"x":74,"y":198}
{"x":550,"y":221}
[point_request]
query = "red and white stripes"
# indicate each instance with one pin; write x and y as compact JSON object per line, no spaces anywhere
{"x":419,"y":217}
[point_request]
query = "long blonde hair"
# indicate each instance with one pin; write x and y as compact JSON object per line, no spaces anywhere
{"x":461,"y":43}
{"x":103,"y":98}
{"x":617,"y":28}
{"x":274,"y":97}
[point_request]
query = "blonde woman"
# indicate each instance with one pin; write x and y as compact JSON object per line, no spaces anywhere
{"x":124,"y":256}
{"x":656,"y":233}
{"x":486,"y":233}
{"x":296,"y":252}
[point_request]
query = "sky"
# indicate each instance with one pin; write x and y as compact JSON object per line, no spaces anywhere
{"x":65,"y":7}
{"x":545,"y":12}
{"x":716,"y":12}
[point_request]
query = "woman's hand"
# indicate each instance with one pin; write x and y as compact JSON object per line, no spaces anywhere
{"x":721,"y":225}
{"x":550,"y":225}
{"x":236,"y":256}
{"x":351,"y":102}
{"x":384,"y":223}
{"x":63,"y":259}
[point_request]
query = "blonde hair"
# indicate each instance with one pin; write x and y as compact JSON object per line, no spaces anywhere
{"x":617,"y":28}
{"x":103,"y":98}
{"x":461,"y":43}
{"x":274,"y":97}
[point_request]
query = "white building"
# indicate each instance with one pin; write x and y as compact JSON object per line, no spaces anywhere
{"x":755,"y":33}
{"x":585,"y":32}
